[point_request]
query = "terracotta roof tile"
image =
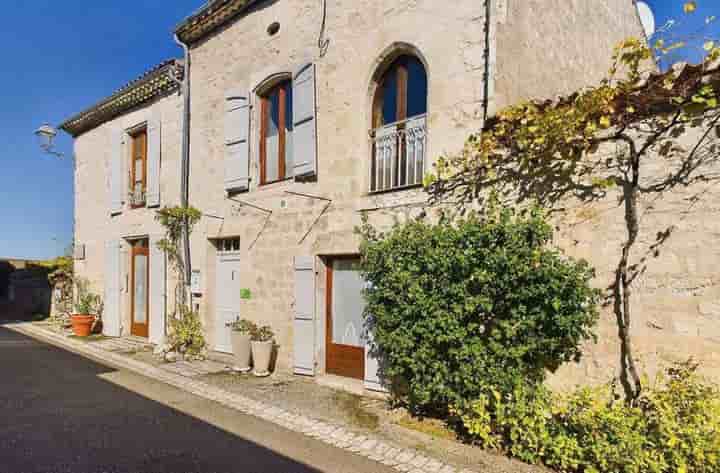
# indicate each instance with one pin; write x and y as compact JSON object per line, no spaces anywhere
{"x":153,"y":83}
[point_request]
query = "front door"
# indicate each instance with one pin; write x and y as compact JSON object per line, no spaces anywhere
{"x":140,"y":271}
{"x":345,"y":306}
{"x":227,"y":289}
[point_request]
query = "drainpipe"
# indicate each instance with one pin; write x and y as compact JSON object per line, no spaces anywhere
{"x":185,"y":159}
{"x":486,"y":74}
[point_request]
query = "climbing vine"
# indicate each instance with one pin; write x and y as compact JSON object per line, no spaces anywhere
{"x":601,"y":141}
{"x":175,"y":221}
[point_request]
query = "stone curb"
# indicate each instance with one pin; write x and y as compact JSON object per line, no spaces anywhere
{"x":339,"y":436}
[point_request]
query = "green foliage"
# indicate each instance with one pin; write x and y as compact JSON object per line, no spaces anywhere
{"x":186,"y":335}
{"x":86,"y":302}
{"x":674,"y":427}
{"x":456,"y":306}
{"x":263,"y":334}
{"x":59,"y":269}
{"x":244,"y":326}
{"x":174,"y":220}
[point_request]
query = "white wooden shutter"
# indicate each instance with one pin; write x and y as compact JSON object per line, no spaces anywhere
{"x":111,"y":317}
{"x":237,"y":150}
{"x":153,"y":160}
{"x":118,"y":185}
{"x":157,"y":291}
{"x":304,"y":123}
{"x":304,"y":316}
{"x":372,"y":366}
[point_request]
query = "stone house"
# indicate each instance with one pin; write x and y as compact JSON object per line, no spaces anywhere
{"x":304,"y":115}
{"x":24,"y":289}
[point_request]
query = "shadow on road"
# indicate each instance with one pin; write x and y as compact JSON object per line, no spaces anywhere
{"x":58,"y":415}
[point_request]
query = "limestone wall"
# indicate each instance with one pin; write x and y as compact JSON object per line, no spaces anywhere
{"x":93,"y":224}
{"x":538,"y":51}
{"x":361,"y":35}
{"x":552,"y":47}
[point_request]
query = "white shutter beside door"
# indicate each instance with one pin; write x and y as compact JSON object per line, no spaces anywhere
{"x":153,"y":160}
{"x":157,"y":291}
{"x":112,"y":325}
{"x":372,"y":366}
{"x":117,"y":162}
{"x":304,"y":123}
{"x":237,"y":150}
{"x":304,"y":316}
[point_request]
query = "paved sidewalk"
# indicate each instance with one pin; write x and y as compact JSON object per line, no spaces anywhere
{"x":341,"y":436}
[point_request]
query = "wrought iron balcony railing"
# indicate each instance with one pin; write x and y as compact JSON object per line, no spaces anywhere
{"x":398,"y":159}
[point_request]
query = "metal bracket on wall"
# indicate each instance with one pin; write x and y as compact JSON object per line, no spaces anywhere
{"x":324,"y":210}
{"x":268,"y":214}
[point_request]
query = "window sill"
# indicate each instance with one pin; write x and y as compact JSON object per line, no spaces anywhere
{"x":395,"y":189}
{"x":275,"y":183}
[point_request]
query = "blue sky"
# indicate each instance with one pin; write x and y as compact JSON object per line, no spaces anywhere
{"x":59,"y":60}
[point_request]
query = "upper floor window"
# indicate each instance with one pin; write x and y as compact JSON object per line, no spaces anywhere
{"x":399,"y":126}
{"x":276,"y":131}
{"x":138,"y":168}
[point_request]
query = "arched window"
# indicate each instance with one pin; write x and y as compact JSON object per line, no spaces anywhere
{"x":399,"y":125}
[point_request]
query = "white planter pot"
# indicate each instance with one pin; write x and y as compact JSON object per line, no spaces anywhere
{"x":262,"y":353}
{"x":241,"y":351}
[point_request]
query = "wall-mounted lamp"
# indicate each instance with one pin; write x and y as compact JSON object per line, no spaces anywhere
{"x":46,"y":139}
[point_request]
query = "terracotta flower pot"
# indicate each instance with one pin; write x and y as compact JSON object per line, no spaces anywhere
{"x":241,"y":350}
{"x":261,"y":353}
{"x":82,"y":324}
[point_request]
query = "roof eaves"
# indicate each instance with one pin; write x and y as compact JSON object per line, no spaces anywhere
{"x":151,"y":84}
{"x":207,"y":18}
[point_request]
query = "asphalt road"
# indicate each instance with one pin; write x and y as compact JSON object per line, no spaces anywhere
{"x":60,"y":412}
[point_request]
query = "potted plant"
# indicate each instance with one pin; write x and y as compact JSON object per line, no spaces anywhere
{"x":87,"y":307}
{"x":262,"y":347}
{"x":240,"y":337}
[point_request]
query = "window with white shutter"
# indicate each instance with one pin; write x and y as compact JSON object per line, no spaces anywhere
{"x":237,"y":129}
{"x":304,"y":123}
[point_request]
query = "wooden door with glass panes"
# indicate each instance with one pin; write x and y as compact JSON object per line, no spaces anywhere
{"x":139,"y":294}
{"x":345,"y":324}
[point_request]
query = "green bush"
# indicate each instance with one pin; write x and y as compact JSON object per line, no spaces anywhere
{"x":186,"y":334}
{"x":455,"y":307}
{"x":675,"y":427}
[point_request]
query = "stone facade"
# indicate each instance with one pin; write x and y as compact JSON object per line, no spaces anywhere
{"x":537,"y":48}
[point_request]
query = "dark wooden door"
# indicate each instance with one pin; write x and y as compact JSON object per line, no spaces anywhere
{"x":139,"y":297}
{"x":344,"y":341}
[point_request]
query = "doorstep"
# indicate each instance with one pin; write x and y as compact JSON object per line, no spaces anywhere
{"x":348,"y":385}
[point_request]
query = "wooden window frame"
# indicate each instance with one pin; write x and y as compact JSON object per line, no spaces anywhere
{"x":134,"y":137}
{"x":397,"y":71}
{"x":265,"y":106}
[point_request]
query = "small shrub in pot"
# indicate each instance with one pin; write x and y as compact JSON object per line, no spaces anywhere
{"x":87,"y":308}
{"x":262,"y":347}
{"x":241,"y":337}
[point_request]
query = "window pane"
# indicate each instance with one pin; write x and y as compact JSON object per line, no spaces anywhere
{"x":348,"y":303}
{"x":417,"y":88}
{"x":236,"y":244}
{"x":138,"y":170}
{"x":389,"y":105}
{"x":272,"y":168}
{"x":140,"y":308}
